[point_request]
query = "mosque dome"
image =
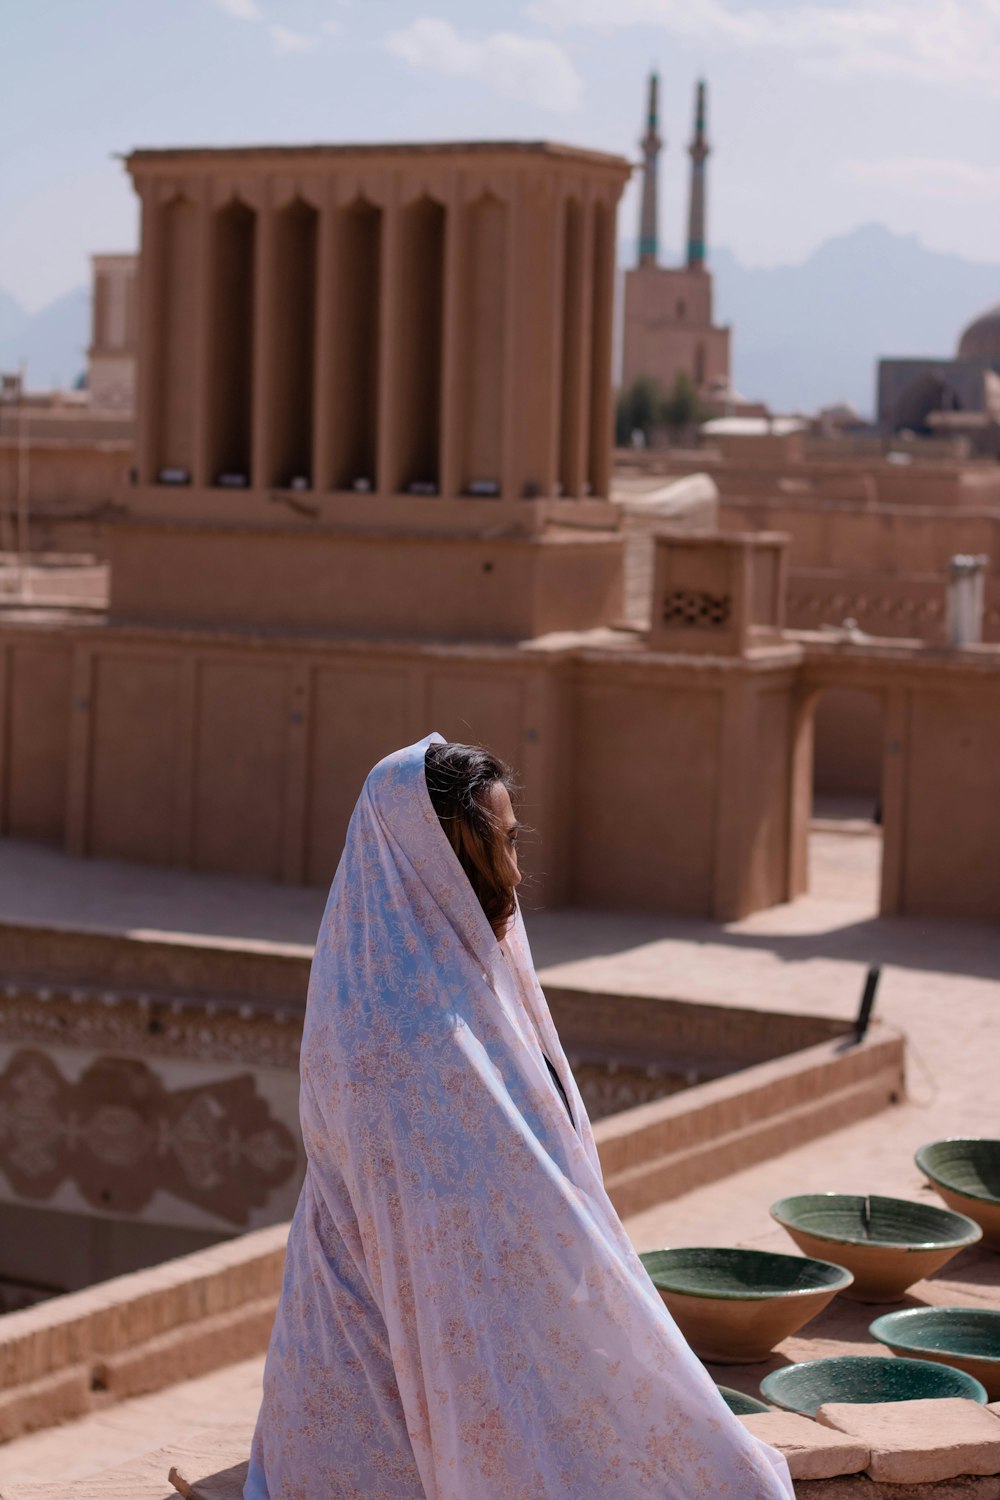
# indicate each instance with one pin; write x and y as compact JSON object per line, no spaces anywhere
{"x":981,"y":340}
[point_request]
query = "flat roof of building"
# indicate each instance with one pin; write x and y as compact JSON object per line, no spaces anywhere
{"x":154,"y":156}
{"x":752,"y":426}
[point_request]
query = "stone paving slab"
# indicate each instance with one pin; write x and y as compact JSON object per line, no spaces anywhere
{"x":861,"y":1487}
{"x":142,"y":1479}
{"x":921,"y":1442}
{"x":122,"y":1434}
{"x":812,"y":1451}
{"x":215,"y":1466}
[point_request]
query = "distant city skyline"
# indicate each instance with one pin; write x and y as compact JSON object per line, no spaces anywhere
{"x":823,"y":115}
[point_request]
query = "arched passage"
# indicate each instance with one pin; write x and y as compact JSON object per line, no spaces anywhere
{"x":845,"y":827}
{"x":916,"y":401}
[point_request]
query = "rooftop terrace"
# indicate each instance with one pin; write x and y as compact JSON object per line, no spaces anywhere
{"x":940,"y":987}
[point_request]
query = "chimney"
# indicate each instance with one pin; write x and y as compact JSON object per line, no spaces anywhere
{"x":965,"y":599}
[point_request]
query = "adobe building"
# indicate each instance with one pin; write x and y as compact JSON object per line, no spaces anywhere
{"x":668,"y":327}
{"x":65,"y":456}
{"x":373,"y":458}
{"x":111,"y":355}
{"x":343,"y":342}
{"x":373,"y":454}
{"x":959,"y":395}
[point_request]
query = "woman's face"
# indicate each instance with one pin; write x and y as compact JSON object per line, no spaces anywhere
{"x":509,"y":827}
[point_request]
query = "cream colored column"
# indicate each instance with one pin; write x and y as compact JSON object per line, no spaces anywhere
{"x":603,"y":302}
{"x":585,"y":313}
{"x":6,"y":713}
{"x":733,"y":794}
{"x":185,"y":759}
{"x":262,"y":441}
{"x":327,"y":296}
{"x":203,"y":402}
{"x":800,"y":789}
{"x":511,"y":479}
{"x":294,"y":834}
{"x":453,"y":408}
{"x":81,"y":734}
{"x":895,"y":755}
{"x":147,"y":333}
{"x":557,"y":302}
{"x":387,"y":446}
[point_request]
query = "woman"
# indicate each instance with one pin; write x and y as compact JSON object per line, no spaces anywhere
{"x":463,"y":1316}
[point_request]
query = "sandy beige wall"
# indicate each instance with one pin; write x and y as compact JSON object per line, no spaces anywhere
{"x":951,"y":863}
{"x":654,"y":783}
{"x":248,"y":759}
{"x":415,"y":587}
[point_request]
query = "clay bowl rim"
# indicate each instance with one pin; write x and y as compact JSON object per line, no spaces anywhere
{"x":844,"y":1278}
{"x":979,"y":1395}
{"x":919,"y":1156}
{"x":758,"y":1407}
{"x":916,"y":1315}
{"x":971,"y":1236}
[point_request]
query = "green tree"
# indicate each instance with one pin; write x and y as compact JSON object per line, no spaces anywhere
{"x":638,"y":408}
{"x":681,"y":410}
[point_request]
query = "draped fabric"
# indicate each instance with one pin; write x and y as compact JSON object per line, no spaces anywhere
{"x":463,"y":1316}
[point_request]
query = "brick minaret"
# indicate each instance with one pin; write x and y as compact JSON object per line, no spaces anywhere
{"x":651,"y":144}
{"x":699,"y":150}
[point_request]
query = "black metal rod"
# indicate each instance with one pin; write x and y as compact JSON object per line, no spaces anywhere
{"x":867,"y":1002}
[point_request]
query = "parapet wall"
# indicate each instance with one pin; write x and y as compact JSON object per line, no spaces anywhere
{"x":150,"y":1329}
{"x":74,"y":487}
{"x":138,"y":1333}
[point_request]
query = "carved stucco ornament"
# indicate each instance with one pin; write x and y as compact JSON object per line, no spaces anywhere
{"x":120,"y":1135}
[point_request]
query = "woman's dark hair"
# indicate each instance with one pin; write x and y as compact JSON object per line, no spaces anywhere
{"x":459,"y":780}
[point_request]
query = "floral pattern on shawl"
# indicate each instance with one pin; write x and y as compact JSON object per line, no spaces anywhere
{"x":463,"y":1316}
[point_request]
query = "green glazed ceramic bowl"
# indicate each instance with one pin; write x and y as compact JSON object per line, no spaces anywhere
{"x":966,"y":1337}
{"x":740,"y":1404}
{"x":734,"y":1306}
{"x":887,"y":1243}
{"x":966,"y":1173}
{"x":863,"y":1378}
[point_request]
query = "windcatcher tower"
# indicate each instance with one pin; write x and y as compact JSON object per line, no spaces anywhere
{"x":698,"y":149}
{"x":651,"y":144}
{"x":365,"y":367}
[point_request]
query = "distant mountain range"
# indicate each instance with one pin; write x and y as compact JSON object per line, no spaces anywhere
{"x":804,"y":336}
{"x":809,"y":335}
{"x":53,"y":341}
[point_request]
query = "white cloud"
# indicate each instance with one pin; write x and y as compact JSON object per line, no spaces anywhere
{"x":926,"y":177}
{"x":241,"y":10}
{"x":954,"y":41}
{"x":332,"y":28}
{"x":530,"y":69}
{"x":285,"y":40}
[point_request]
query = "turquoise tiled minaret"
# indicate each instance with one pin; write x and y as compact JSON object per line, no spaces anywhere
{"x":651,"y":144}
{"x":699,"y":150}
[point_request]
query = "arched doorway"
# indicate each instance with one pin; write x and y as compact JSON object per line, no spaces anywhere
{"x":925,"y":394}
{"x":845,"y":829}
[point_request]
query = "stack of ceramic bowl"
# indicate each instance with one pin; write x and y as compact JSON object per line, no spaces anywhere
{"x":966,"y":1173}
{"x":734,"y":1306}
{"x":886,"y":1243}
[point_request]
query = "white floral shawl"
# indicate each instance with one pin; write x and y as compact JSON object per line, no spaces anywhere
{"x":463,"y":1316}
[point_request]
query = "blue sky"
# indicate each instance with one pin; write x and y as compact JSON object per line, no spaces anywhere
{"x":823,"y":113}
